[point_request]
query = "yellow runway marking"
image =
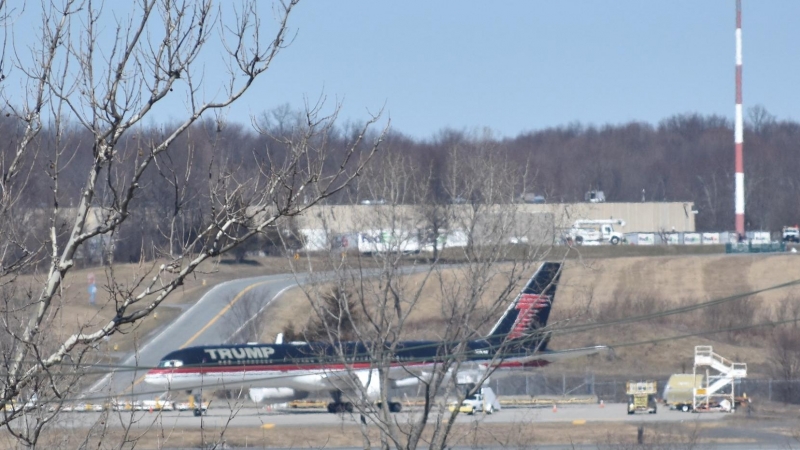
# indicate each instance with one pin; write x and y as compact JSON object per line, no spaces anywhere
{"x":130,"y":388}
{"x":579,"y":422}
{"x":222,"y":312}
{"x":268,"y":426}
{"x":210,"y":322}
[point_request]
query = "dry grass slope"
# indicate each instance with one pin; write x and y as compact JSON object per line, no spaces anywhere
{"x":591,"y":291}
{"x":596,"y":291}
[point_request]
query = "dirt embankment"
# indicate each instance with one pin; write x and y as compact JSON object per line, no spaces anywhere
{"x":610,"y":290}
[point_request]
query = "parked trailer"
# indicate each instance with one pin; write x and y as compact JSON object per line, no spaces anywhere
{"x":678,"y":393}
{"x":379,"y":241}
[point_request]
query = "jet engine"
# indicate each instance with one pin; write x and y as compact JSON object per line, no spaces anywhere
{"x":276,"y":395}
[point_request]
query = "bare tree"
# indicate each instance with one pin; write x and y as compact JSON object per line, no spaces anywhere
{"x":80,"y":122}
{"x":784,"y":360}
{"x":244,"y":320}
{"x":384,"y":299}
{"x":760,"y":118}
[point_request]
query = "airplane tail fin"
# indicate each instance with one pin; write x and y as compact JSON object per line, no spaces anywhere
{"x":529,"y":311}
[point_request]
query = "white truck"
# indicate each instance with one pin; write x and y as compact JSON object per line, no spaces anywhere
{"x":790,"y":234}
{"x":596,"y":232}
{"x":482,"y":401}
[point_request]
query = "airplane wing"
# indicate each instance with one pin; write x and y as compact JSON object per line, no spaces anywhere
{"x":409,"y":376}
{"x":562,"y":355}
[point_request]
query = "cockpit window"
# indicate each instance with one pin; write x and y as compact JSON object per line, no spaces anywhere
{"x":170,"y":363}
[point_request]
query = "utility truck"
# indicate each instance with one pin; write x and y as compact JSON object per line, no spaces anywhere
{"x":596,"y":232}
{"x":790,"y":234}
{"x":642,"y":396}
{"x":482,"y":401}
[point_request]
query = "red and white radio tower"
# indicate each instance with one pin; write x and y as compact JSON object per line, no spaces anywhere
{"x":738,"y":130}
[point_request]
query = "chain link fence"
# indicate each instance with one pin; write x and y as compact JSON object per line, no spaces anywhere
{"x":613,"y":389}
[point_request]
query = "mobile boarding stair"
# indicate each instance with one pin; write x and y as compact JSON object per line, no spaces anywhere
{"x":719,"y":382}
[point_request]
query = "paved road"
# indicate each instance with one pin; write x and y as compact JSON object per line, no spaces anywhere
{"x":221,"y":414}
{"x":205,"y":322}
{"x":730,"y":435}
{"x":596,"y":447}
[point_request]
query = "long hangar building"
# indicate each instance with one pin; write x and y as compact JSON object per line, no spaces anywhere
{"x":543,"y":219}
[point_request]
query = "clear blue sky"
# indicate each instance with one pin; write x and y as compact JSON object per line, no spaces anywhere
{"x":522,"y":65}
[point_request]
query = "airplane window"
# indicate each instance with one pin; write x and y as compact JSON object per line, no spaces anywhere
{"x":170,"y":363}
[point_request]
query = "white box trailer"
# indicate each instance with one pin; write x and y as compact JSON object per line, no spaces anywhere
{"x":379,"y":241}
{"x":678,"y":390}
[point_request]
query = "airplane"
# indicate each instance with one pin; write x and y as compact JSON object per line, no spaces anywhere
{"x":284,"y":372}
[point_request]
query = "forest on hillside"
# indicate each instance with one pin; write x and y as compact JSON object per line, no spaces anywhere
{"x":685,"y":158}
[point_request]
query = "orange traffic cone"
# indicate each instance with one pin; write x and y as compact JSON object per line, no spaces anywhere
{"x":555,"y":408}
{"x":602,"y":405}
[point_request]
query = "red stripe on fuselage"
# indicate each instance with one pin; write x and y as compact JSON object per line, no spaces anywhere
{"x":210,"y":369}
{"x":519,"y":365}
{"x":268,"y":368}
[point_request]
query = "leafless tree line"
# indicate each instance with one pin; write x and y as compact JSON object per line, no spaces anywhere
{"x":684,"y":158}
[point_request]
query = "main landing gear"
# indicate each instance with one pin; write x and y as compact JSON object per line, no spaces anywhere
{"x":394,"y":407}
{"x":340,"y":407}
{"x":196,"y":403}
{"x":337,"y":406}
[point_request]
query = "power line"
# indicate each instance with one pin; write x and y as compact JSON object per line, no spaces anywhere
{"x":339,"y":359}
{"x":669,"y":312}
{"x":541,"y":333}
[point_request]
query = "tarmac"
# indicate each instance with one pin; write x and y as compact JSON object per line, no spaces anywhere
{"x":233,"y":415}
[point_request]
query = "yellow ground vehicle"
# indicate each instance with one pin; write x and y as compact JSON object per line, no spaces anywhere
{"x":482,"y":401}
{"x":642,"y":396}
{"x":464,"y":409}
